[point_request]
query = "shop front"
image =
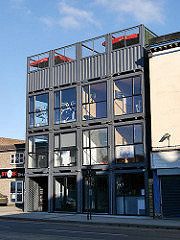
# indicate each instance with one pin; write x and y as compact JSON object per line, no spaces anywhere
{"x":12,"y":186}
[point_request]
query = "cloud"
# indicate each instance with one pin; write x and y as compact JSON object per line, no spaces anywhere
{"x":20,"y":5}
{"x":73,"y":17}
{"x":48,"y":21}
{"x":144,"y":11}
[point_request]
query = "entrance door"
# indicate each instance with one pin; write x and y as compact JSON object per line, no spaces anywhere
{"x":17,"y":191}
{"x":170,"y":192}
{"x":65,"y":193}
{"x":99,"y":192}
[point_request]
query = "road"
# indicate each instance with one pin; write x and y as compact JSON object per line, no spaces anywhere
{"x":28,"y":230}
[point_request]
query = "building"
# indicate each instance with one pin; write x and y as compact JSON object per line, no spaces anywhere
{"x":164,"y":53}
{"x":12,"y":170}
{"x":88,"y":126}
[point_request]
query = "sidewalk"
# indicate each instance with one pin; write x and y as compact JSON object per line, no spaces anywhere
{"x":143,"y":222}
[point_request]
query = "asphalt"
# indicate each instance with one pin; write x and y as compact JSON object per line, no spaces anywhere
{"x":11,"y":213}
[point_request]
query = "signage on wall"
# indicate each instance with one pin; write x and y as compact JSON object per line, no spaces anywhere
{"x":11,"y":173}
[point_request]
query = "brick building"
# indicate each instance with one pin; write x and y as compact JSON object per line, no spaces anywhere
{"x":12,"y":170}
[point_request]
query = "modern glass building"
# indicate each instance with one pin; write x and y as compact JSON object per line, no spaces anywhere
{"x":88,"y":126}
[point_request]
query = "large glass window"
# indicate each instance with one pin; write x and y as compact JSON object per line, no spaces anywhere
{"x":96,"y":194}
{"x":65,"y":105}
{"x":129,"y":143}
{"x":95,"y":147}
{"x":65,"y":194}
{"x":38,"y":110}
{"x":94,"y":101}
{"x":65,"y":149}
{"x":127,"y":96}
{"x":38,"y":152}
{"x":130,"y":194}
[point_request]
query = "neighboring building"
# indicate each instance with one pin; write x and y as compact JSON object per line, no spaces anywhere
{"x":12,"y":170}
{"x":88,"y":134}
{"x":164,"y":65}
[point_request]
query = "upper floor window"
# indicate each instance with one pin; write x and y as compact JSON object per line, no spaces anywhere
{"x":95,"y":146}
{"x":65,"y":106}
{"x":17,"y":158}
{"x":129,"y":143}
{"x":38,"y":151}
{"x":127,"y":96}
{"x":65,"y":149}
{"x":38,"y":110}
{"x":94,"y":101}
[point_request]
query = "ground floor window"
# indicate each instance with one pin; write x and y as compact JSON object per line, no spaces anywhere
{"x":96,"y":194}
{"x":16,"y":191}
{"x":130,"y":194}
{"x":65,"y":194}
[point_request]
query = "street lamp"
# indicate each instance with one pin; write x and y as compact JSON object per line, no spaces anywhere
{"x":164,"y":137}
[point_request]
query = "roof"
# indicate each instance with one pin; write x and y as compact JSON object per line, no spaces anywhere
{"x":10,"y":144}
{"x":10,"y":141}
{"x":165,"y":38}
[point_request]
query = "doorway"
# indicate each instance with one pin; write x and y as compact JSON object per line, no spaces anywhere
{"x":38,"y":194}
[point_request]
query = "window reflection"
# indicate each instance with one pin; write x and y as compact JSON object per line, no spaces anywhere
{"x":94,"y":100}
{"x":127,"y":96}
{"x":95,"y":150}
{"x":38,"y":152}
{"x":65,"y":149}
{"x":65,"y":106}
{"x":38,"y":110}
{"x":129,"y":143}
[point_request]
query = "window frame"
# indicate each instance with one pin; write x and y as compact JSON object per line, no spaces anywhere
{"x":89,"y":148}
{"x":89,"y":103}
{"x":33,"y":111}
{"x":60,"y":108}
{"x":14,"y":195}
{"x":14,"y":158}
{"x":60,"y":149}
{"x":132,"y":97}
{"x":33,"y":153}
{"x":133,"y":144}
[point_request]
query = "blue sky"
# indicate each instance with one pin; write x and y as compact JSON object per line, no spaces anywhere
{"x":28,"y":27}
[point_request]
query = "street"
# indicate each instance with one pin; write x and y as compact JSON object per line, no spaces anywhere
{"x":27,"y":230}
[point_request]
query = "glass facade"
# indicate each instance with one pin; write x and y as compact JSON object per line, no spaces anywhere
{"x":98,"y":199}
{"x":65,"y":149}
{"x":38,"y":110}
{"x":130,"y":194}
{"x":65,"y":106}
{"x":127,"y":96}
{"x":95,"y":147}
{"x":38,"y":151}
{"x":94,"y":101}
{"x":65,"y":194}
{"x":129,"y":146}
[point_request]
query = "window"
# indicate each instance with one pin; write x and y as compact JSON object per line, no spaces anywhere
{"x":38,"y":110}
{"x":38,"y":152}
{"x":65,"y":194}
{"x":95,"y":147}
{"x":17,"y":158}
{"x":127,"y":96}
{"x":65,"y":149}
{"x":94,"y":101}
{"x":65,"y":106}
{"x":16,"y":191}
{"x":129,"y":143}
{"x":130,"y":194}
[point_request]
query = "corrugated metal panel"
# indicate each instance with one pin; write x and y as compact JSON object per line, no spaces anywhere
{"x":65,"y":73}
{"x":170,"y":189}
{"x":126,"y":59}
{"x":33,"y":199}
{"x":93,"y":67}
{"x":38,"y":80}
